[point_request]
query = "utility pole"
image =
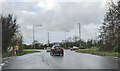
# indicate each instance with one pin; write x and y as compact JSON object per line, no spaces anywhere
{"x":48,"y":39}
{"x":79,"y":34}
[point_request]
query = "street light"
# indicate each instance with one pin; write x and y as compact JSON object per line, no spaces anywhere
{"x":79,"y":34}
{"x":65,"y":37}
{"x":34,"y":35}
{"x":48,"y":39}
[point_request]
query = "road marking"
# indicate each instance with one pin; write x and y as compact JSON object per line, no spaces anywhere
{"x":10,"y":57}
{"x":116,"y":57}
{"x":2,"y":64}
{"x":6,"y":61}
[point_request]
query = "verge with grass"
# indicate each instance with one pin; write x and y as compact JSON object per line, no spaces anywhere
{"x":18,"y":54}
{"x":97,"y":52}
{"x":26,"y":52}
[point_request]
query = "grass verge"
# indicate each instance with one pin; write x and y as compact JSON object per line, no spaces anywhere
{"x":18,"y":54}
{"x":96,"y":52}
{"x":26,"y":52}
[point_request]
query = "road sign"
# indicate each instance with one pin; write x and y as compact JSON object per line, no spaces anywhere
{"x":17,"y":47}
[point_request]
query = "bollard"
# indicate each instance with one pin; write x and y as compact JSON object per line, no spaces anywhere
{"x":15,"y":52}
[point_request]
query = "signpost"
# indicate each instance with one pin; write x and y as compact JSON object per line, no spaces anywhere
{"x":16,"y":49}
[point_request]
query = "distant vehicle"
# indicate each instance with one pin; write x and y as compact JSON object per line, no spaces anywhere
{"x":69,"y":48}
{"x":57,"y":50}
{"x":75,"y":48}
{"x":93,"y":47}
{"x":82,"y":47}
{"x":48,"y":49}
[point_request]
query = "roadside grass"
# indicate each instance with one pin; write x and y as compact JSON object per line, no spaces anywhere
{"x":26,"y":52}
{"x":31,"y":51}
{"x":97,"y":52}
{"x":18,"y":54}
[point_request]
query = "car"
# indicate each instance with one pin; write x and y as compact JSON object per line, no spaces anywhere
{"x":75,"y":48}
{"x":57,"y":50}
{"x":69,"y":48}
{"x":93,"y":47}
{"x":48,"y":49}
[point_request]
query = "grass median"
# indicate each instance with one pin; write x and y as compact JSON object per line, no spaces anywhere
{"x":97,"y":52}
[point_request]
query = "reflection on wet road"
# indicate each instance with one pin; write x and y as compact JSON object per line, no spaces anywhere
{"x":71,"y":60}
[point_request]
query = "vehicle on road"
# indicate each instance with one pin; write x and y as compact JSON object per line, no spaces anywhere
{"x":57,"y":50}
{"x":48,"y":49}
{"x":69,"y":48}
{"x":93,"y":47}
{"x":74,"y":48}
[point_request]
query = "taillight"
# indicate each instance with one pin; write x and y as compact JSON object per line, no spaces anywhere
{"x":53,"y":48}
{"x":62,"y":48}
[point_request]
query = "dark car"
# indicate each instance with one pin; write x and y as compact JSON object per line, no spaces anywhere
{"x":57,"y":50}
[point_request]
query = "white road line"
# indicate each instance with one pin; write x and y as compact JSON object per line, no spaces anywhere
{"x":2,"y":64}
{"x":6,"y":61}
{"x":116,"y":57}
{"x":10,"y":57}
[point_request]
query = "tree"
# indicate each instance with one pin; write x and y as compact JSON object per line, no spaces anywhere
{"x":9,"y":29}
{"x":18,"y":40}
{"x":110,"y":28}
{"x":89,"y":43}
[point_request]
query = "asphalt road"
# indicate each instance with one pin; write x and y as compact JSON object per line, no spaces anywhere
{"x":71,"y":60}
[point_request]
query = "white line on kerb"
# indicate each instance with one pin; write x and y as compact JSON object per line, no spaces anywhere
{"x":10,"y":57}
{"x":6,"y":61}
{"x":2,"y":64}
{"x":116,"y":57}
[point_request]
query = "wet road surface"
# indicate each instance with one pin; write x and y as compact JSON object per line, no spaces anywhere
{"x":71,"y":60}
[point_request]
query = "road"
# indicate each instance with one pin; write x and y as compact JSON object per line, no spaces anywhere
{"x":71,"y":60}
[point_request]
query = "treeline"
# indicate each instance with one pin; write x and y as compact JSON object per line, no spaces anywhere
{"x":89,"y":44}
{"x":110,"y":29}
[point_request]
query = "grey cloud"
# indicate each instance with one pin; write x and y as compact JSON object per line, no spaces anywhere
{"x":65,"y":16}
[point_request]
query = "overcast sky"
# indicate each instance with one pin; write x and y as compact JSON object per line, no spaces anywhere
{"x":56,"y":17}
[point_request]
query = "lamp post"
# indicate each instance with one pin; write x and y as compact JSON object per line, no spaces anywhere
{"x":66,"y":37}
{"x":34,"y":35}
{"x":79,"y":34}
{"x":48,"y":39}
